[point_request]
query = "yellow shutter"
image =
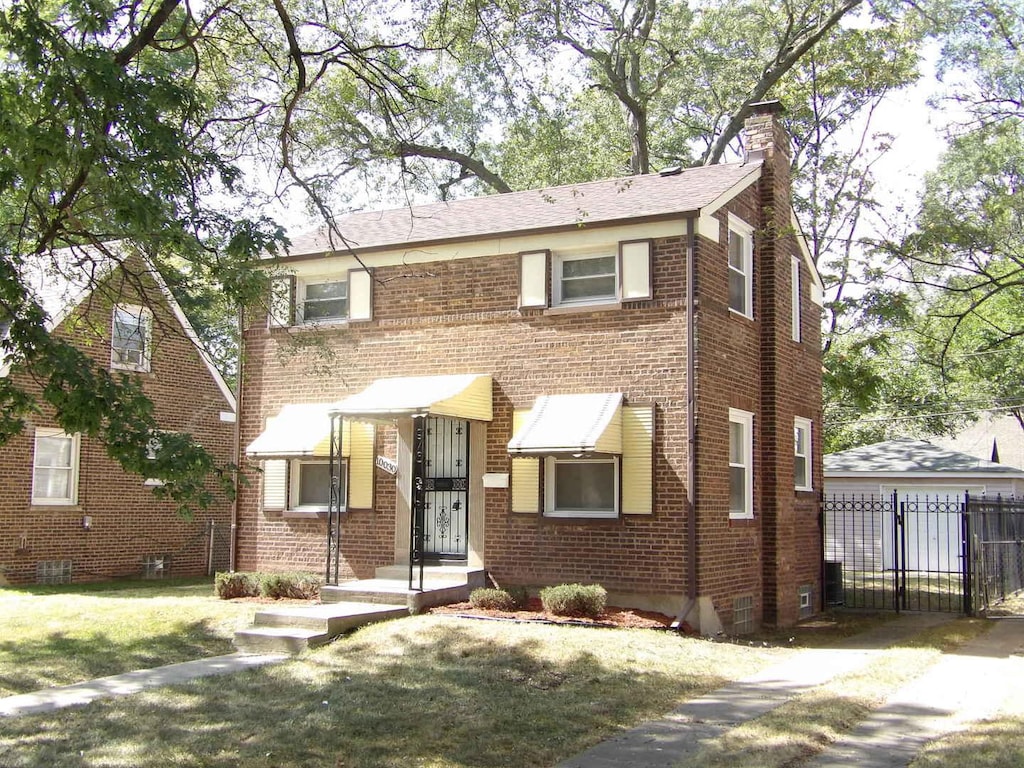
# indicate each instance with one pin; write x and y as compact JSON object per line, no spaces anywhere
{"x":636,"y":270}
{"x":275,"y":484}
{"x":533,"y":279}
{"x":638,"y":459}
{"x":282,"y":301}
{"x":360,"y":465}
{"x":360,"y":295}
{"x":525,"y":476}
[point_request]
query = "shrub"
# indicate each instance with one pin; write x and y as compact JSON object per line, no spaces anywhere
{"x":520,"y":595}
{"x":228,"y":586}
{"x":298,"y":586}
{"x":492,"y":599}
{"x":574,"y":600}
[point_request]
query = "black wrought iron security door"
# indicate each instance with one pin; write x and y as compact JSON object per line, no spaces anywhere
{"x":446,"y":488}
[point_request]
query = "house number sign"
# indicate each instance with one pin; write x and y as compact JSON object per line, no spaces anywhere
{"x":388,"y":465}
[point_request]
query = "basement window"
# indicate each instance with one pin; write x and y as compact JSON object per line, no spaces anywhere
{"x":53,"y":572}
{"x":156,"y":566}
{"x":806,"y":601}
{"x":743,"y":615}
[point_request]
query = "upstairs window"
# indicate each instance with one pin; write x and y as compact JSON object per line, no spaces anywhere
{"x":130,"y":338}
{"x":795,"y":289}
{"x":55,"y":468}
{"x":616,"y":273}
{"x":324,"y":301}
{"x":320,"y":299}
{"x":586,"y":278}
{"x":741,"y":266}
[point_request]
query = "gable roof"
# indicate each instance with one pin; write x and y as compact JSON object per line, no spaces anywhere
{"x":908,"y":456}
{"x":595,"y":203}
{"x":61,"y":281}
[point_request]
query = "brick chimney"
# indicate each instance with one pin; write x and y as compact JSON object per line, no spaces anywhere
{"x":763,"y":134}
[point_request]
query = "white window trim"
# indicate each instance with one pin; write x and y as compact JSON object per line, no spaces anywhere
{"x":597,"y":253}
{"x":806,"y":425}
{"x":295,"y":468}
{"x":797,"y":331}
{"x":145,"y":316}
{"x":746,"y":419}
{"x":300,"y":299}
{"x":72,"y":498}
{"x":744,"y":230}
{"x":550,"y":462}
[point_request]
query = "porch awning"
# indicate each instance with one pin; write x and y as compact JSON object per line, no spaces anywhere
{"x":571,"y":424}
{"x":462,"y":396}
{"x":298,"y":430}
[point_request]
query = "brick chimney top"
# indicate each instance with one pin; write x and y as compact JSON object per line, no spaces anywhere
{"x":763,"y":134}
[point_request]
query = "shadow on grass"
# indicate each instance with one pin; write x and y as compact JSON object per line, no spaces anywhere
{"x":121,"y":588}
{"x":60,"y":659}
{"x":998,"y":743}
{"x":440,"y":696}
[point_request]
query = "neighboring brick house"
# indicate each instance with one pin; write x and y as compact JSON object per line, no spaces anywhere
{"x":68,"y":512}
{"x":517,"y":370}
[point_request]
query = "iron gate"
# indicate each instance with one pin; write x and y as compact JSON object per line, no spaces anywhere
{"x":996,"y":545}
{"x":897,"y":552}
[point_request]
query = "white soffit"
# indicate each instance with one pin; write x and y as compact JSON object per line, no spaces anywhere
{"x":571,"y":425}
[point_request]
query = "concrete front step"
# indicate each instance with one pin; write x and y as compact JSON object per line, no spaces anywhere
{"x":278,"y":639}
{"x":292,"y":629}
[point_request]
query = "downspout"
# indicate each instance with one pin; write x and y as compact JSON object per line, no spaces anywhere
{"x":233,"y":539}
{"x":691,"y":429}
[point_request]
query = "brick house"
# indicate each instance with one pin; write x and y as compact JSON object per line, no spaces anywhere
{"x":68,"y":512}
{"x":597,"y":383}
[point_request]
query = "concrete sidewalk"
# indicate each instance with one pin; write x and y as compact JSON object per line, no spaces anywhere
{"x":960,"y":688}
{"x":52,"y":699}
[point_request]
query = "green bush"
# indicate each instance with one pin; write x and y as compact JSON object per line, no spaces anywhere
{"x":298,"y":586}
{"x":492,"y":599}
{"x":574,"y":600}
{"x":520,"y":595}
{"x":228,"y":586}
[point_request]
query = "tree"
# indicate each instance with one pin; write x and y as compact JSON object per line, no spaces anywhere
{"x":120,"y":138}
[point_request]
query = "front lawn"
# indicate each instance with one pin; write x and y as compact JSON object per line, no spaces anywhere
{"x":426,"y":691}
{"x":59,"y":635}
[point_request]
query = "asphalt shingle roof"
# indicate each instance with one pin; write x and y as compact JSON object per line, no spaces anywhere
{"x":907,"y":455}
{"x":591,"y":203}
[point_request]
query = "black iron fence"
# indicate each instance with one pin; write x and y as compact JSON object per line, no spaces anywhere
{"x":922,"y":553}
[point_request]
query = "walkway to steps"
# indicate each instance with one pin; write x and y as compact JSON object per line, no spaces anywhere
{"x":292,"y":629}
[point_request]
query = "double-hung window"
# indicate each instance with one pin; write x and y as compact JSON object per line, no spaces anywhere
{"x":131,"y":337}
{"x":741,"y":464}
{"x":741,"y":266}
{"x":795,"y":290}
{"x":324,"y":300}
{"x":802,"y":454}
{"x":310,"y":485}
{"x":55,"y":468}
{"x":581,"y":487}
{"x":586,"y":278}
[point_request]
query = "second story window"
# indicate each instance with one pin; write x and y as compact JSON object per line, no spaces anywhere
{"x":586,"y":278}
{"x":741,"y":266}
{"x":324,"y":301}
{"x":130,"y":338}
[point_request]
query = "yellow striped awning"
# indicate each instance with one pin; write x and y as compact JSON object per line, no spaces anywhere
{"x":298,"y":430}
{"x":461,"y":396}
{"x":575,"y":425}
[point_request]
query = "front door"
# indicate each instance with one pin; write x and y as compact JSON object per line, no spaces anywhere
{"x":446,"y":489}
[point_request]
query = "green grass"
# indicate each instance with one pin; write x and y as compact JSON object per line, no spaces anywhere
{"x":425,"y":691}
{"x":59,"y":635}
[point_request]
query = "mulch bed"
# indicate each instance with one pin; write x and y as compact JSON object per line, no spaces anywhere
{"x":534,"y":611}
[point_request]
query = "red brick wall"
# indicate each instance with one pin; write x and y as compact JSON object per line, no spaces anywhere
{"x":461,"y":317}
{"x":128,"y":523}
